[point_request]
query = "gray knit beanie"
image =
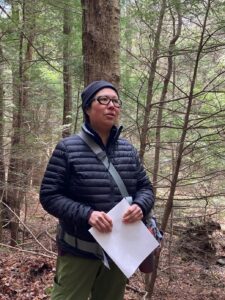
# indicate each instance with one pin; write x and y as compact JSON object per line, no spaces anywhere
{"x":92,"y":89}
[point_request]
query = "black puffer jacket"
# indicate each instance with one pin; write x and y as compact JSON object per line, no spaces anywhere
{"x":76,"y":182}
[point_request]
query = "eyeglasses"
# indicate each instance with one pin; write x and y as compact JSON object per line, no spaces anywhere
{"x":105,"y":100}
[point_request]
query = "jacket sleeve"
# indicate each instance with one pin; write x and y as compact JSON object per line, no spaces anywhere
{"x":54,"y":187}
{"x":144,"y":196}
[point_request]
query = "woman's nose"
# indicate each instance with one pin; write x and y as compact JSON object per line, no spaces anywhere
{"x":110,"y":104}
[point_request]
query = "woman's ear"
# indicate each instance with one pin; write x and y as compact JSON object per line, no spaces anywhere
{"x":86,"y":114}
{"x":87,"y":110}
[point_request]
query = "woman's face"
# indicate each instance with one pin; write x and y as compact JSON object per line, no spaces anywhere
{"x":103,"y":117}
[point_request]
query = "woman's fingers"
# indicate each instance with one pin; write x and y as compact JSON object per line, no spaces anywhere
{"x":101,"y":221}
{"x":133,"y":214}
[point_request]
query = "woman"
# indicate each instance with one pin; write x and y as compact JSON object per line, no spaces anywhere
{"x":78,"y":190}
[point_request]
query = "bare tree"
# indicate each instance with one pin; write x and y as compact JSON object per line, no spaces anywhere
{"x":163,"y":96}
{"x":20,"y":164}
{"x":2,"y":166}
{"x":169,"y":202}
{"x":151,"y":78}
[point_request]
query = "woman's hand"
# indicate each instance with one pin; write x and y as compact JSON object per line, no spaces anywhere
{"x":100,"y":221}
{"x":133,"y":214}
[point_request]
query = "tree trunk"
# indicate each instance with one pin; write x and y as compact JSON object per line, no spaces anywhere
{"x":101,"y":40}
{"x":161,"y":103}
{"x":14,"y":175}
{"x":27,"y":118}
{"x":67,"y":80}
{"x":2,"y":165}
{"x":152,"y":71}
{"x":20,"y":164}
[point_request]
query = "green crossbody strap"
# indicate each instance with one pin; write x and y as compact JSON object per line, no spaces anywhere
{"x":122,"y":188}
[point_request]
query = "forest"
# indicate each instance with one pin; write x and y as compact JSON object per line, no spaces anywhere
{"x":167,"y":58}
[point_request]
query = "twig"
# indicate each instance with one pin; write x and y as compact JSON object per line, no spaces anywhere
{"x":48,"y":234}
{"x":28,"y":251}
{"x":28,"y":229}
{"x":135,"y":289}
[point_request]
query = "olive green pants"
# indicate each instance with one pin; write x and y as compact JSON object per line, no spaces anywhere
{"x":79,"y":278}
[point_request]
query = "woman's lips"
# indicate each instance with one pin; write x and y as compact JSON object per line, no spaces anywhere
{"x":110,"y":115}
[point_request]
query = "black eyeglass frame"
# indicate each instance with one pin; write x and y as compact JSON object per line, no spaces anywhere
{"x":116,"y":102}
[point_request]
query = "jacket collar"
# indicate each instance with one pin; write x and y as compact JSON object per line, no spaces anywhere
{"x":113,"y":136}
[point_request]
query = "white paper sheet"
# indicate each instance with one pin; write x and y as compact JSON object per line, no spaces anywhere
{"x":127,"y":244}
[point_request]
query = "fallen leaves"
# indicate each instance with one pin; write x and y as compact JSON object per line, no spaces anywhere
{"x":24,"y":277}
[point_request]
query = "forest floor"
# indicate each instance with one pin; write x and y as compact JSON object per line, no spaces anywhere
{"x":28,"y":275}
